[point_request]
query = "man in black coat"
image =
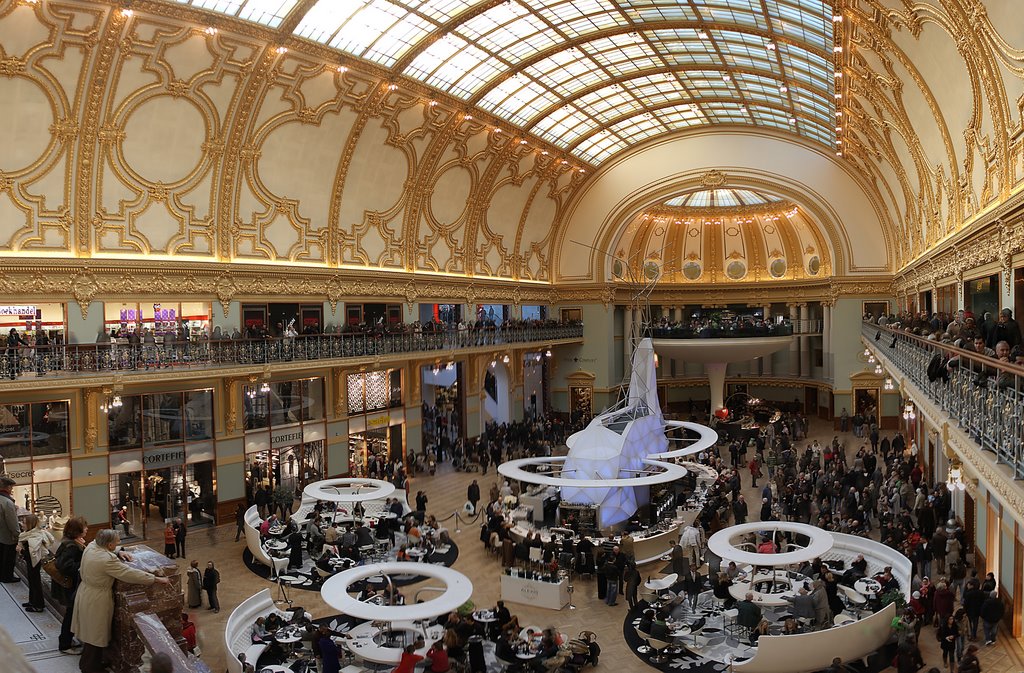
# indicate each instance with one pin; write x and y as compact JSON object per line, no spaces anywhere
{"x":739,"y":510}
{"x":972,"y":601}
{"x":1006,"y":329}
{"x":992,"y":611}
{"x":473,"y":494}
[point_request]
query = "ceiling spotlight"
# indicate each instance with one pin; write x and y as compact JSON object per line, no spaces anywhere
{"x":837,"y":18}
{"x":392,"y":87}
{"x":839,"y":141}
{"x":282,"y":50}
{"x":467,"y":117}
{"x":838,"y":95}
{"x":583,"y":170}
{"x":210,"y":30}
{"x":839,"y":154}
{"x":837,"y":49}
{"x":839,"y":113}
{"x":783,"y":89}
{"x":564,"y":162}
{"x":433,"y":103}
{"x":544,"y":153}
{"x":837,"y":74}
{"x":770,"y":46}
{"x":497,"y":130}
{"x":522,"y":142}
{"x":726,"y":77}
{"x":743,"y":108}
{"x":547,"y":353}
{"x":342,"y":69}
{"x":126,"y":12}
{"x":792,"y":120}
{"x":839,"y":129}
{"x":702,"y":34}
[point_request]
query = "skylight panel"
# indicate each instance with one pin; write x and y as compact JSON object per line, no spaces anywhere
{"x":446,"y":62}
{"x":658,"y":10}
{"x":564,"y":126}
{"x":638,"y":128}
{"x":264,"y":12}
{"x":566,"y":72}
{"x":679,"y":117}
{"x":325,"y":18}
{"x":441,"y":10}
{"x":577,"y":18}
{"x":398,"y":39}
{"x":599,"y":147}
{"x":699,"y":199}
{"x":518,"y":101}
{"x":725,"y":112}
{"x":509,"y":27}
{"x":725,"y":197}
{"x":740,"y":12}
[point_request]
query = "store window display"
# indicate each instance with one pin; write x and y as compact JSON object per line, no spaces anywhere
{"x":34,"y":451}
{"x":162,"y":459}
{"x":285,"y":432}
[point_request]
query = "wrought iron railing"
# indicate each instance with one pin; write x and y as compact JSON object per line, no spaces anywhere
{"x":113,"y":357}
{"x":720,"y":332}
{"x":984,"y":395}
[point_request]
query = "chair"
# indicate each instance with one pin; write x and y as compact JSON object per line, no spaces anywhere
{"x":321,"y":575}
{"x":696,"y":628}
{"x":852,"y":597}
{"x":659,"y":646}
{"x":646,"y":647}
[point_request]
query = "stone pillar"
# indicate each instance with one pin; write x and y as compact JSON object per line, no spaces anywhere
{"x":805,"y":342}
{"x":794,"y":346}
{"x":678,"y":312}
{"x":716,"y":380}
{"x":627,"y":340}
{"x":826,"y":340}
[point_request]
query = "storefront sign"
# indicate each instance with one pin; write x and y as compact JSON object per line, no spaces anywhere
{"x":378,"y":421}
{"x":163,"y":458}
{"x":18,"y":475}
{"x":18,"y":310}
{"x":289,"y":437}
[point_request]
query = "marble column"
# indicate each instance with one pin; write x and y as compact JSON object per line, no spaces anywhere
{"x":766,"y":361}
{"x":627,"y":340}
{"x":805,"y":342}
{"x":794,"y":345}
{"x":716,"y":380}
{"x":826,"y":340}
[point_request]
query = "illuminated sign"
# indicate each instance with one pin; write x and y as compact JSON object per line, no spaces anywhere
{"x":18,"y":310}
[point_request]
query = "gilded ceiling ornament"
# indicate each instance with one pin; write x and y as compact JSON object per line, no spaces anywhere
{"x":11,"y":66}
{"x":225,"y":288}
{"x":713,"y":178}
{"x":84,"y":287}
{"x":5,"y":182}
{"x":410,"y":293}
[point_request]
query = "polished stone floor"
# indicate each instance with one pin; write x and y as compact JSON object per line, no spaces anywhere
{"x":447,"y":494}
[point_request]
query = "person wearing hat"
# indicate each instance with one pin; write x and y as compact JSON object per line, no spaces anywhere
{"x":1004,"y":329}
{"x":10,"y":529}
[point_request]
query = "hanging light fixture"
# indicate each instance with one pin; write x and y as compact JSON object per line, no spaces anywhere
{"x":867,"y":352}
{"x":908,"y":412}
{"x":955,"y":476}
{"x":888,"y":385}
{"x":250,"y":392}
{"x":265,"y":388}
{"x":879,"y":370}
{"x":547,"y":353}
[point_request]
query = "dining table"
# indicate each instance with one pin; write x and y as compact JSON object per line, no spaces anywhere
{"x":867,"y":587}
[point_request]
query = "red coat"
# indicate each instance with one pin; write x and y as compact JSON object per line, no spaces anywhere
{"x":943,"y":601}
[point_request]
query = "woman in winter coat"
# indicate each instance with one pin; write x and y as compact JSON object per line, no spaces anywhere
{"x":34,"y":544}
{"x":94,"y":602}
{"x":947,"y":634}
{"x":170,"y":540}
{"x":195,"y":585}
{"x":69,"y":561}
{"x":211,"y":578}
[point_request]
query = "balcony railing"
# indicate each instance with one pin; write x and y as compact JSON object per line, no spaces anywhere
{"x":720,"y":332}
{"x":985,"y":396}
{"x":115,"y":357}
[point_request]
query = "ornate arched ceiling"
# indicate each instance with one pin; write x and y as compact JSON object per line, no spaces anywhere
{"x":592,"y":76}
{"x":463,"y":137}
{"x":724,"y":235}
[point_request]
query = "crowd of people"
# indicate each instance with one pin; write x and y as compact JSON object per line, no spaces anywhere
{"x":720,"y":326}
{"x":136,"y":347}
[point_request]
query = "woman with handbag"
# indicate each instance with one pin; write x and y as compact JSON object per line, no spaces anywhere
{"x":34,"y":544}
{"x":68,"y":562}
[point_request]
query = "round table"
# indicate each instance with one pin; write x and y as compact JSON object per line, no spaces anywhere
{"x":867,"y":587}
{"x":276,"y":545}
{"x":274,"y":669}
{"x":662,"y":583}
{"x":485,"y":616}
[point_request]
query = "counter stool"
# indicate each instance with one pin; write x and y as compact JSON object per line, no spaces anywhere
{"x":659,"y":646}
{"x":646,"y":647}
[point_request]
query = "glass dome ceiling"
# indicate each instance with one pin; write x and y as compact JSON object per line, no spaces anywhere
{"x":723,"y":198}
{"x":593,"y":76}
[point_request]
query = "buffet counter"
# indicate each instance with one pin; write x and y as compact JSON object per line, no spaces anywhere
{"x":550,"y":595}
{"x":647,"y":546}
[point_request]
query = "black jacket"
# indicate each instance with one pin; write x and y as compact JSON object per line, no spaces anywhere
{"x":973,"y":600}
{"x":992,"y":609}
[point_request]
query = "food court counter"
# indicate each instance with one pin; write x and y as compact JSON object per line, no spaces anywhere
{"x":550,"y":595}
{"x":650,"y":547}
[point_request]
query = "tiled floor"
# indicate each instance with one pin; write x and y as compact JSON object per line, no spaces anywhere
{"x":447,"y":493}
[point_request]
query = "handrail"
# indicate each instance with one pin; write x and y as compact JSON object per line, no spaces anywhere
{"x":115,"y":357}
{"x":983,"y":395}
{"x":721,"y":333}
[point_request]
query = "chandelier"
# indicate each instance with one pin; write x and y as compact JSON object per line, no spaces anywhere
{"x":908,"y":412}
{"x":111,"y":402}
{"x":888,"y":385}
{"x":955,"y":476}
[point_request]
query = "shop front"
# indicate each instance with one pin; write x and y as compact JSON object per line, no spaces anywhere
{"x":162,"y":459}
{"x":443,"y":407}
{"x":28,"y":318}
{"x":121,"y":319}
{"x":285,"y":435}
{"x":380,"y":436}
{"x":376,"y":419}
{"x":34,"y":451}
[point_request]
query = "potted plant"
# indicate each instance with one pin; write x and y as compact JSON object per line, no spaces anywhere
{"x":283,"y":499}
